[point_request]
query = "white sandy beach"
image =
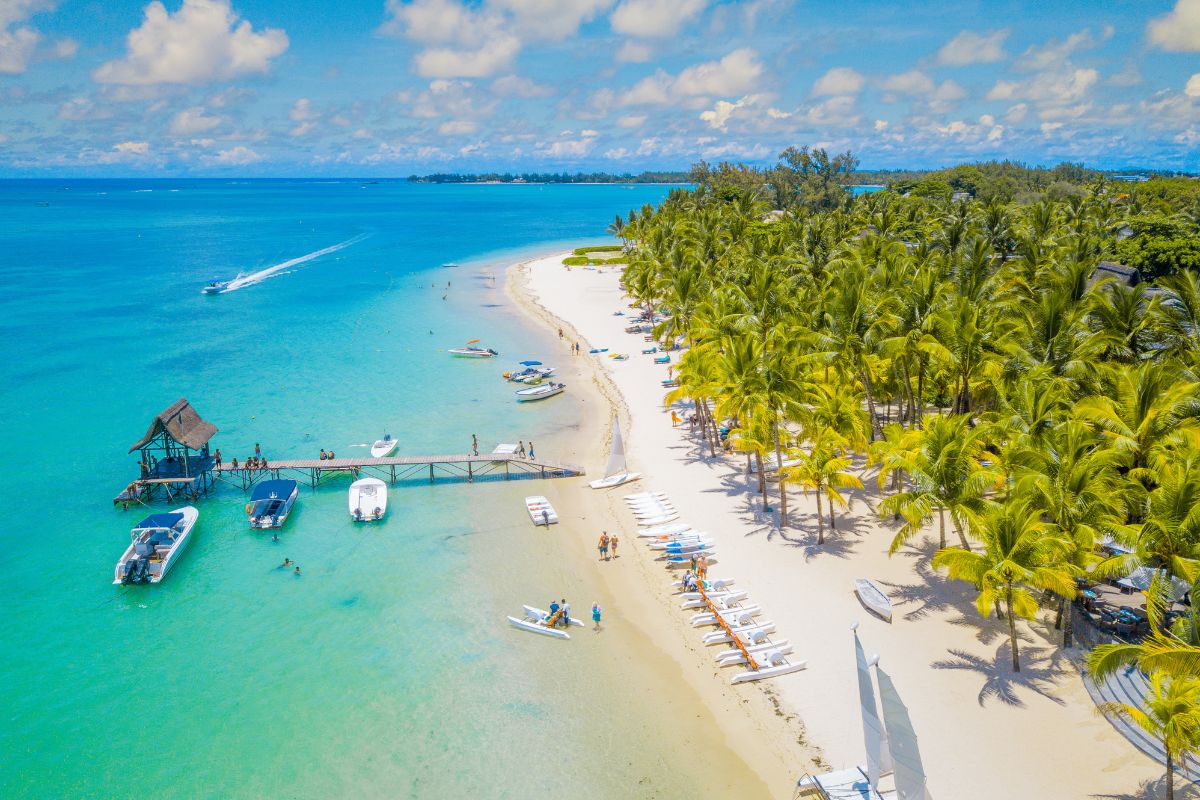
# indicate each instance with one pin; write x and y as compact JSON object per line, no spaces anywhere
{"x":985,"y":732}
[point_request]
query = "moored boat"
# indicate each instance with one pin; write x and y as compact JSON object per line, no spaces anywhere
{"x":535,"y":620}
{"x":539,"y":392}
{"x":873,"y":598}
{"x":384,"y":447}
{"x":368,"y":499}
{"x":616,"y":473}
{"x":158,"y":541}
{"x":271,"y":503}
{"x":472,"y":350}
{"x":540,"y":510}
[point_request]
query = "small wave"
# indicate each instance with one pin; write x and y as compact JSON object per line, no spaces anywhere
{"x":242,"y":281}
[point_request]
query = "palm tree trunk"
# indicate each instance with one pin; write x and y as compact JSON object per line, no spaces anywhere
{"x":941,"y":527}
{"x":920,"y":392}
{"x":1170,"y":776}
{"x":783,"y":519}
{"x":1067,"y":622}
{"x":1012,"y":628}
{"x":820,"y":519}
{"x":762,"y":480}
{"x":961,"y":536}
{"x":910,"y":412}
{"x":832,"y":521}
{"x":866,"y":382}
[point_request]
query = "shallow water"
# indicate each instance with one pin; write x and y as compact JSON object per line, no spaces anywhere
{"x":384,"y":669}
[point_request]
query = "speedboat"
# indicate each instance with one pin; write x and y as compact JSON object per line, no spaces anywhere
{"x":472,"y":350}
{"x":215,"y":287}
{"x":368,"y":499}
{"x":539,"y":392}
{"x":158,"y":541}
{"x":271,"y":502}
{"x":531,"y":374}
{"x":384,"y":447}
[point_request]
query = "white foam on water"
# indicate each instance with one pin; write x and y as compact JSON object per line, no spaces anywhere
{"x":242,"y":281}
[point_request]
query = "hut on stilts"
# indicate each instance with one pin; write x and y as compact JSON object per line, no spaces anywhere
{"x":173,"y":457}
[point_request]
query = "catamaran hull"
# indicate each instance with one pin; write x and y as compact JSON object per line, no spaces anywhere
{"x":533,"y":627}
{"x":768,"y":672}
{"x":615,"y":480}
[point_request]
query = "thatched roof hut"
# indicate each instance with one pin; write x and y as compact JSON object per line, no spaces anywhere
{"x":182,"y":424}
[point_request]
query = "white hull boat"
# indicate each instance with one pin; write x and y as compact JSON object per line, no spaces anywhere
{"x":540,"y":510}
{"x":685,"y":562}
{"x":683,"y":546}
{"x":694,"y":600}
{"x":543,"y":614}
{"x":652,"y":521}
{"x":616,"y":473}
{"x":271,"y":502}
{"x":648,"y":509}
{"x":630,"y":498}
{"x":368,"y":500}
{"x":664,"y":530}
{"x":539,"y":392}
{"x":743,"y":615}
{"x":472,"y":352}
{"x":686,"y":536}
{"x":710,"y":585}
{"x":158,"y":542}
{"x":535,"y":620}
{"x":770,"y":665}
{"x":721,"y":637}
{"x":384,"y":447}
{"x":729,"y":658}
{"x":873,"y":598}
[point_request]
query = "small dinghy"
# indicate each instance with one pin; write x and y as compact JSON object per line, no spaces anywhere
{"x":540,"y":510}
{"x":539,"y":392}
{"x":368,"y":500}
{"x":384,"y":447}
{"x":873,"y":598}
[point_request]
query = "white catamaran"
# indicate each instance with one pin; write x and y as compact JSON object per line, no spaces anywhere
{"x":616,"y":473}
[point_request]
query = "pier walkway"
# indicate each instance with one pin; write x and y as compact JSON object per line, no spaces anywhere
{"x":466,"y":467}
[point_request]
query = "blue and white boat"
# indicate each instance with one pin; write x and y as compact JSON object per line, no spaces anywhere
{"x":158,"y":541}
{"x":271,"y":503}
{"x":215,"y":287}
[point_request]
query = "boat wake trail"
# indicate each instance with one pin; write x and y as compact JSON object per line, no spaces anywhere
{"x":242,"y":281}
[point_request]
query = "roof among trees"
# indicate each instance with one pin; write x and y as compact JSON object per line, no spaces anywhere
{"x":182,"y":423}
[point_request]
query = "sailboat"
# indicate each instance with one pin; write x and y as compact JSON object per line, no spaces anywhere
{"x":616,"y":472}
{"x":891,"y":745}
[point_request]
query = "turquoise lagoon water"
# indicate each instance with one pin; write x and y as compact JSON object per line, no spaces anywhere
{"x":381,"y":671}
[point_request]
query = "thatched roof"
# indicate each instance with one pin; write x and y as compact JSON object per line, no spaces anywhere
{"x":181,"y":422}
{"x":1119,"y":272}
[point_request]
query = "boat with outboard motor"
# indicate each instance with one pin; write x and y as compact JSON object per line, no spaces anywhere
{"x":368,"y":499}
{"x":382,"y":448}
{"x":158,"y":541}
{"x":471,"y":350}
{"x":540,"y":392}
{"x":271,"y":503}
{"x":215,"y":287}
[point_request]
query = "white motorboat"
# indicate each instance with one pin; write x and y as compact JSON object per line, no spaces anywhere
{"x":384,"y":447}
{"x":750,"y":630}
{"x":539,"y":392}
{"x":529,"y":374}
{"x":158,"y":541}
{"x":472,"y":350}
{"x":215,"y":287}
{"x":873,"y":598}
{"x":368,"y":499}
{"x":616,"y":473}
{"x":540,"y":510}
{"x":271,"y":502}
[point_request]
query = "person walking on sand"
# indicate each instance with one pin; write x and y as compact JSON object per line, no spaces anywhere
{"x":674,"y":419}
{"x":596,"y":615}
{"x":560,"y":333}
{"x":474,"y":445}
{"x":603,"y":546}
{"x":613,"y":541}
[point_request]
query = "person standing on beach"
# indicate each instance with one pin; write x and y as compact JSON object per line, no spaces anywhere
{"x":596,"y":615}
{"x":613,"y":541}
{"x":474,"y":445}
{"x":674,"y":419}
{"x":604,"y":546}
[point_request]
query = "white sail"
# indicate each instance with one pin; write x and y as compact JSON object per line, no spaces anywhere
{"x":616,"y":458}
{"x":909,"y":772}
{"x":879,"y":760}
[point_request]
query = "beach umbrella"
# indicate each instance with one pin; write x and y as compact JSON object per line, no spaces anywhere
{"x":531,"y":363}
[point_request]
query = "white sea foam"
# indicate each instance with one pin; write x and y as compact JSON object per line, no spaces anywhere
{"x":242,"y":281}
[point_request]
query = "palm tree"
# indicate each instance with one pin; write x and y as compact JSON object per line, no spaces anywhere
{"x":945,"y":474}
{"x":823,"y":468}
{"x":1020,"y":552}
{"x":1171,"y":716}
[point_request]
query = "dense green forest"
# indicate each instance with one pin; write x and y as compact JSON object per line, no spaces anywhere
{"x":968,"y":358}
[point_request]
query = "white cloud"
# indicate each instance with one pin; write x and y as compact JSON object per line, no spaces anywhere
{"x":631,"y":121}
{"x":18,"y":42}
{"x":551,"y":19}
{"x":488,"y":59}
{"x":66,"y":48}
{"x":1048,"y":87}
{"x":568,"y":148}
{"x":82,"y":108}
{"x":1016,"y":114}
{"x":133,"y":148}
{"x":203,"y":41}
{"x":912,"y":82}
{"x":838,"y":81}
{"x":438,"y":22}
{"x":837,"y":111}
{"x":736,"y":73}
{"x":617,"y":153}
{"x":1056,"y":54}
{"x":654,"y":18}
{"x":718,"y":116}
{"x":1193,"y":86}
{"x":305,"y":117}
{"x":193,"y":121}
{"x":516,"y":86}
{"x":1178,"y":30}
{"x":458,"y":127}
{"x":969,"y":47}
{"x":236,"y":156}
{"x":453,"y":100}
{"x":634,"y":52}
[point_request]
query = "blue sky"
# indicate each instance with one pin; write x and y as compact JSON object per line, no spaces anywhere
{"x":391,"y":87}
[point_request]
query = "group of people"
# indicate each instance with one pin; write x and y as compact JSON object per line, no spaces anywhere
{"x":256,"y":461}
{"x":608,"y":542}
{"x":560,"y":613}
{"x":326,"y":456}
{"x":287,"y":562}
{"x":521,"y":450}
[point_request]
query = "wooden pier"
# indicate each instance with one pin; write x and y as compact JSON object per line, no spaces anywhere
{"x":394,"y":469}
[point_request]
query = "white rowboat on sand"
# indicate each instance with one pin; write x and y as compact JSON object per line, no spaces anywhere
{"x":873,"y":598}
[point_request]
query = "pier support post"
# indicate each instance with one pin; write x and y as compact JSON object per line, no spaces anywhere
{"x":431,"y":473}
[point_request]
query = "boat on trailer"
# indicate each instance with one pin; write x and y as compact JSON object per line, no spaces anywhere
{"x":616,"y":473}
{"x":158,"y":541}
{"x":540,"y":510}
{"x":271,"y":503}
{"x":368,"y":499}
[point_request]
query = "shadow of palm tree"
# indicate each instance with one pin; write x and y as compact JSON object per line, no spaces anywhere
{"x":1153,"y":790}
{"x":1000,"y":682}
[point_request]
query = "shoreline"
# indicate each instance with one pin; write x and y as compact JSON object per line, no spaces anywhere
{"x":768,"y":740}
{"x":948,"y":662}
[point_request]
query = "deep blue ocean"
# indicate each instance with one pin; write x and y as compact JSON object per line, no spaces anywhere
{"x":385,"y":670}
